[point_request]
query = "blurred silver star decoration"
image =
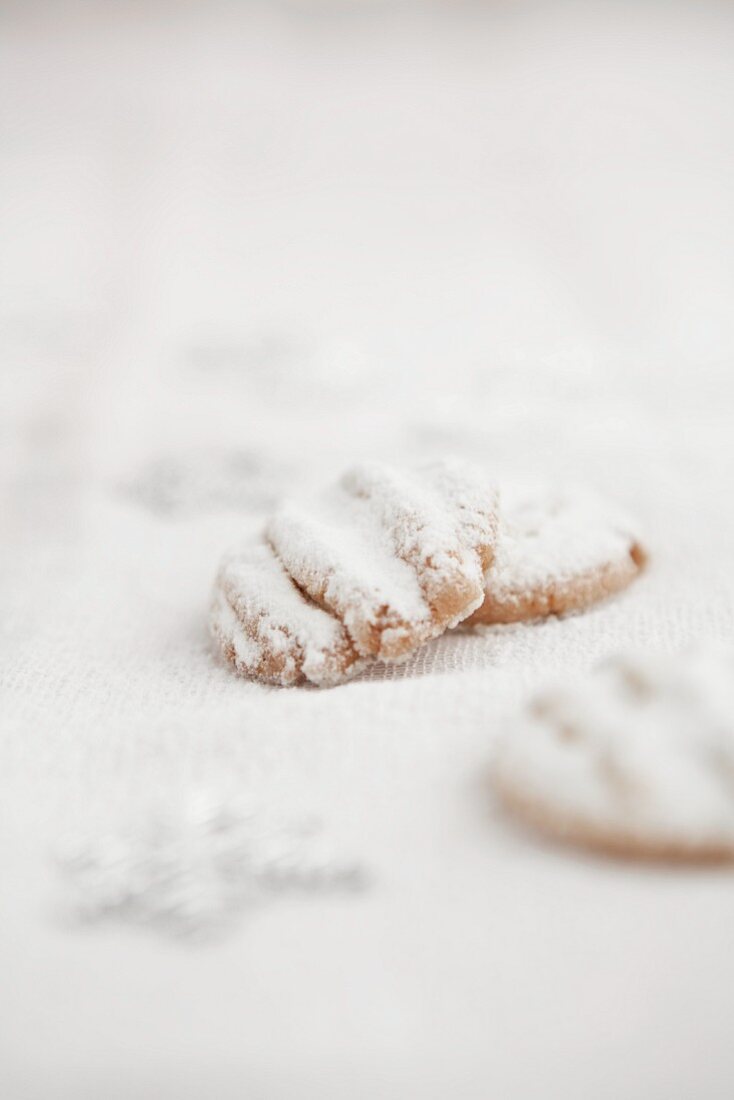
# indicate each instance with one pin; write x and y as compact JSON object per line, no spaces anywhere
{"x":194,"y":871}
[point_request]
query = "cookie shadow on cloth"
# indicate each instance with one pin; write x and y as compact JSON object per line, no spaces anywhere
{"x":449,"y":654}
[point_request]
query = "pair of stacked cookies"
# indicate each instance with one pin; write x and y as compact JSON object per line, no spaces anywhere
{"x":387,"y":559}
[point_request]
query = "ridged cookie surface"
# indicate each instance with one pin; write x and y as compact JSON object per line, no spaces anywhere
{"x":637,"y":760}
{"x":397,"y":556}
{"x":269,"y":630}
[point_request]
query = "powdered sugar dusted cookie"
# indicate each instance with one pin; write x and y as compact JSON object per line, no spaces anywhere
{"x":269,"y":630}
{"x":397,"y":556}
{"x":638,"y":760}
{"x":557,"y":551}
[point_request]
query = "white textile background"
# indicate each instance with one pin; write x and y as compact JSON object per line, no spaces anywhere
{"x":244,"y":244}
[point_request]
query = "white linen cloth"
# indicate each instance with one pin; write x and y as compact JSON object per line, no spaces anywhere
{"x":245,"y":245}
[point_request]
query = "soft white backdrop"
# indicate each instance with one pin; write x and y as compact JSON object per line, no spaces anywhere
{"x":246,"y":243}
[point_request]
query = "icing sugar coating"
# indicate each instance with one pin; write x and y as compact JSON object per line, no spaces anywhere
{"x":268,"y":630}
{"x":557,"y":551}
{"x":638,"y":760}
{"x":398,"y":556}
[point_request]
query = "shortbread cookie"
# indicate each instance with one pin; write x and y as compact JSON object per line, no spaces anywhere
{"x":557,"y":551}
{"x":638,"y":760}
{"x":397,"y":556}
{"x":269,"y":630}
